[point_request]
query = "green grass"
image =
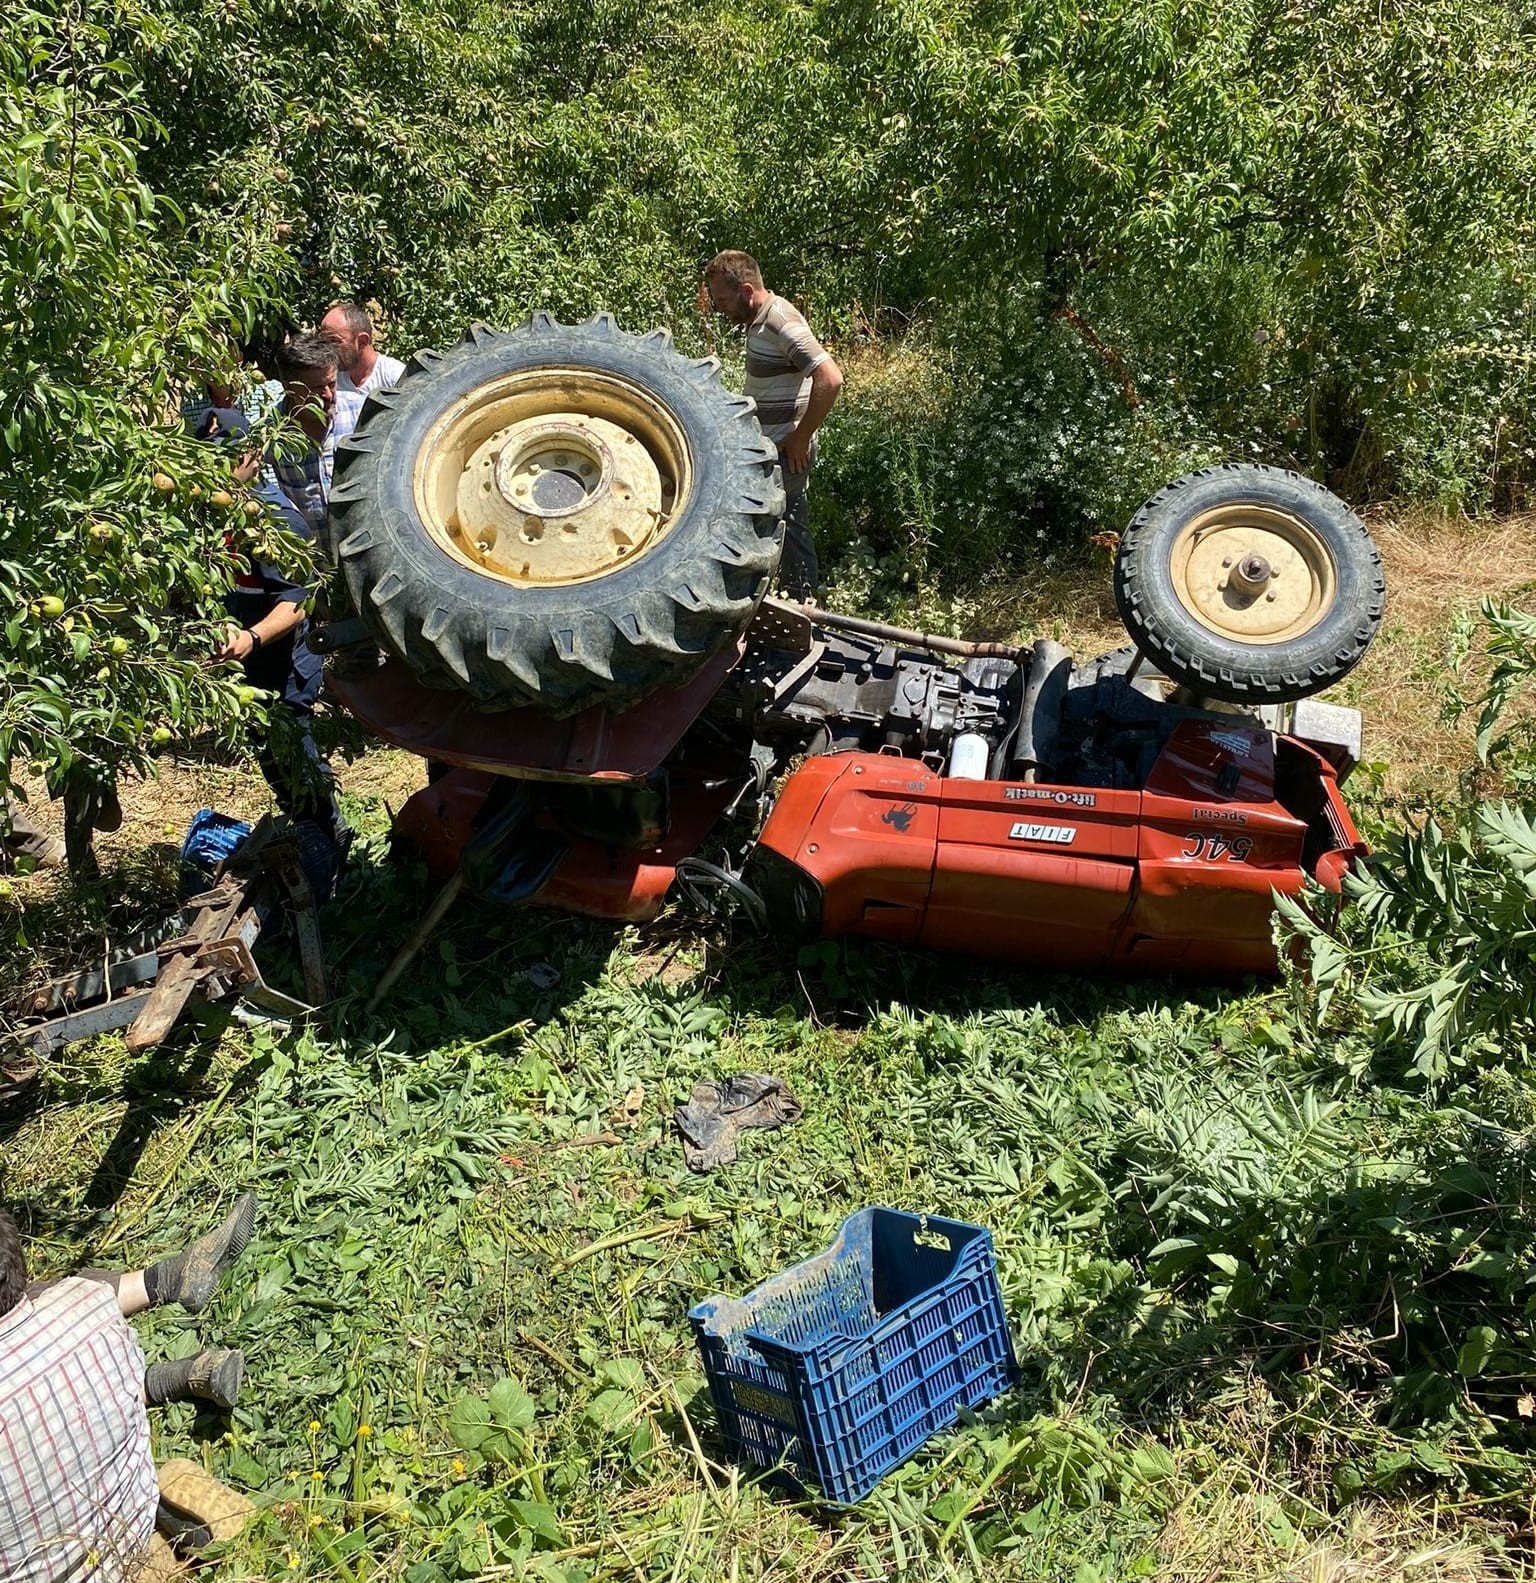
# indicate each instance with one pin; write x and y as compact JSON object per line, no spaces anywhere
{"x":464,"y":1311}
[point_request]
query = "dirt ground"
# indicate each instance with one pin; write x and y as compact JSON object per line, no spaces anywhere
{"x":158,"y":811}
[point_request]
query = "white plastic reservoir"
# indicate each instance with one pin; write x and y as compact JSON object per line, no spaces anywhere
{"x":968,"y":757}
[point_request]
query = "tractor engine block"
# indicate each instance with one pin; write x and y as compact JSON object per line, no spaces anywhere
{"x":850,"y":693}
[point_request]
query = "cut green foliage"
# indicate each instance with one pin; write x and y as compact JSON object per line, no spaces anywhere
{"x":465,"y":1306}
{"x":1506,"y":732}
{"x":1427,"y":963}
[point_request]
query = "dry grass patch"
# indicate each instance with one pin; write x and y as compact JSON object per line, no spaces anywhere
{"x":1225,"y":1536}
{"x":141,"y":875}
{"x":1438,"y":569}
{"x":1074,"y":605}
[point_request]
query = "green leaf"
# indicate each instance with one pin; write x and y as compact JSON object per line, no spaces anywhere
{"x":611,"y":1410}
{"x":539,"y":1519}
{"x":470,"y":1423}
{"x":626,"y":1373}
{"x":1348,"y":1480}
{"x":642,"y":1445}
{"x":511,"y":1407}
{"x":1474,"y":1353}
{"x":1152,"y":1465}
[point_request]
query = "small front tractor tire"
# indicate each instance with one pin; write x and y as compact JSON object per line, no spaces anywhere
{"x":1250,"y":584}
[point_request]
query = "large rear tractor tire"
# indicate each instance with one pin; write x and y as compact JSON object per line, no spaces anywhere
{"x":1250,"y":584}
{"x":557,"y":515}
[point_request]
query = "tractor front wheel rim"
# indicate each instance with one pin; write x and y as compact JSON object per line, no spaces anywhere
{"x":1254,"y":574}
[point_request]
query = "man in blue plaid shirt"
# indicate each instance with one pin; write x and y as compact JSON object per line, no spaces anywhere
{"x":326,"y":416}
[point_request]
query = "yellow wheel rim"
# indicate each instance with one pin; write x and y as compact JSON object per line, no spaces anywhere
{"x":1253,"y":574}
{"x":552,"y":477}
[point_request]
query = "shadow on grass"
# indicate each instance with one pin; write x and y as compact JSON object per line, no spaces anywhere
{"x":160,"y":1089}
{"x":485,"y":967}
{"x":488,"y":965}
{"x":56,"y":925}
{"x":843,"y":981}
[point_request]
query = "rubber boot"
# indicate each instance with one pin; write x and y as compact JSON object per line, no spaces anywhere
{"x":192,"y":1276}
{"x":212,"y":1376}
{"x":195,"y":1509}
{"x":22,"y":837}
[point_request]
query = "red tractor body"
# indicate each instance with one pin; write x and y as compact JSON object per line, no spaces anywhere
{"x":1173,"y":878}
{"x":1174,"y":875}
{"x":552,"y":547}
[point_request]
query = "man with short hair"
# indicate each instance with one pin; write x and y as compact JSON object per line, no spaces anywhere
{"x":363,"y":367}
{"x":795,"y":381}
{"x":78,"y":1492}
{"x":326,"y":415}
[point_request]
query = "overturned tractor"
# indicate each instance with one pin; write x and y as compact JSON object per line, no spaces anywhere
{"x":553,"y":549}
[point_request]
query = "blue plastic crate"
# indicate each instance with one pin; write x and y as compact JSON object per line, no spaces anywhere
{"x":840,"y":1368}
{"x":211,"y":837}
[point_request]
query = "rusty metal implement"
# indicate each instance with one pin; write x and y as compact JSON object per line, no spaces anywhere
{"x":211,"y":958}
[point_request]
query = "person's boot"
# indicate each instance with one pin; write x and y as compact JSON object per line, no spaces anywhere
{"x":211,"y":1376}
{"x":22,"y":837}
{"x":195,"y":1509}
{"x":162,"y":1564}
{"x":191,"y":1277}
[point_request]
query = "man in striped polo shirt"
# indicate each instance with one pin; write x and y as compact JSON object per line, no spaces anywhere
{"x":794,"y":380}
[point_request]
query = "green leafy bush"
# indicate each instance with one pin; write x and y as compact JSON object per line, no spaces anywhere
{"x":968,"y":455}
{"x":1303,"y":230}
{"x":116,"y":536}
{"x":1426,"y":965}
{"x":1383,"y":1296}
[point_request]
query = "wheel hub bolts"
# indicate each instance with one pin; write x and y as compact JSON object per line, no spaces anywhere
{"x":1251,"y":575}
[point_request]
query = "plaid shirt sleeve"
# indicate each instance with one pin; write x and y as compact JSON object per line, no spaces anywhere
{"x":306,"y":482}
{"x":306,"y":479}
{"x":77,"y":1480}
{"x":344,"y":415}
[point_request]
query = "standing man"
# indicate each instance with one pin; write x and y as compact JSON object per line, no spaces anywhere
{"x":326,"y":415}
{"x":363,"y":367}
{"x":795,"y":381}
